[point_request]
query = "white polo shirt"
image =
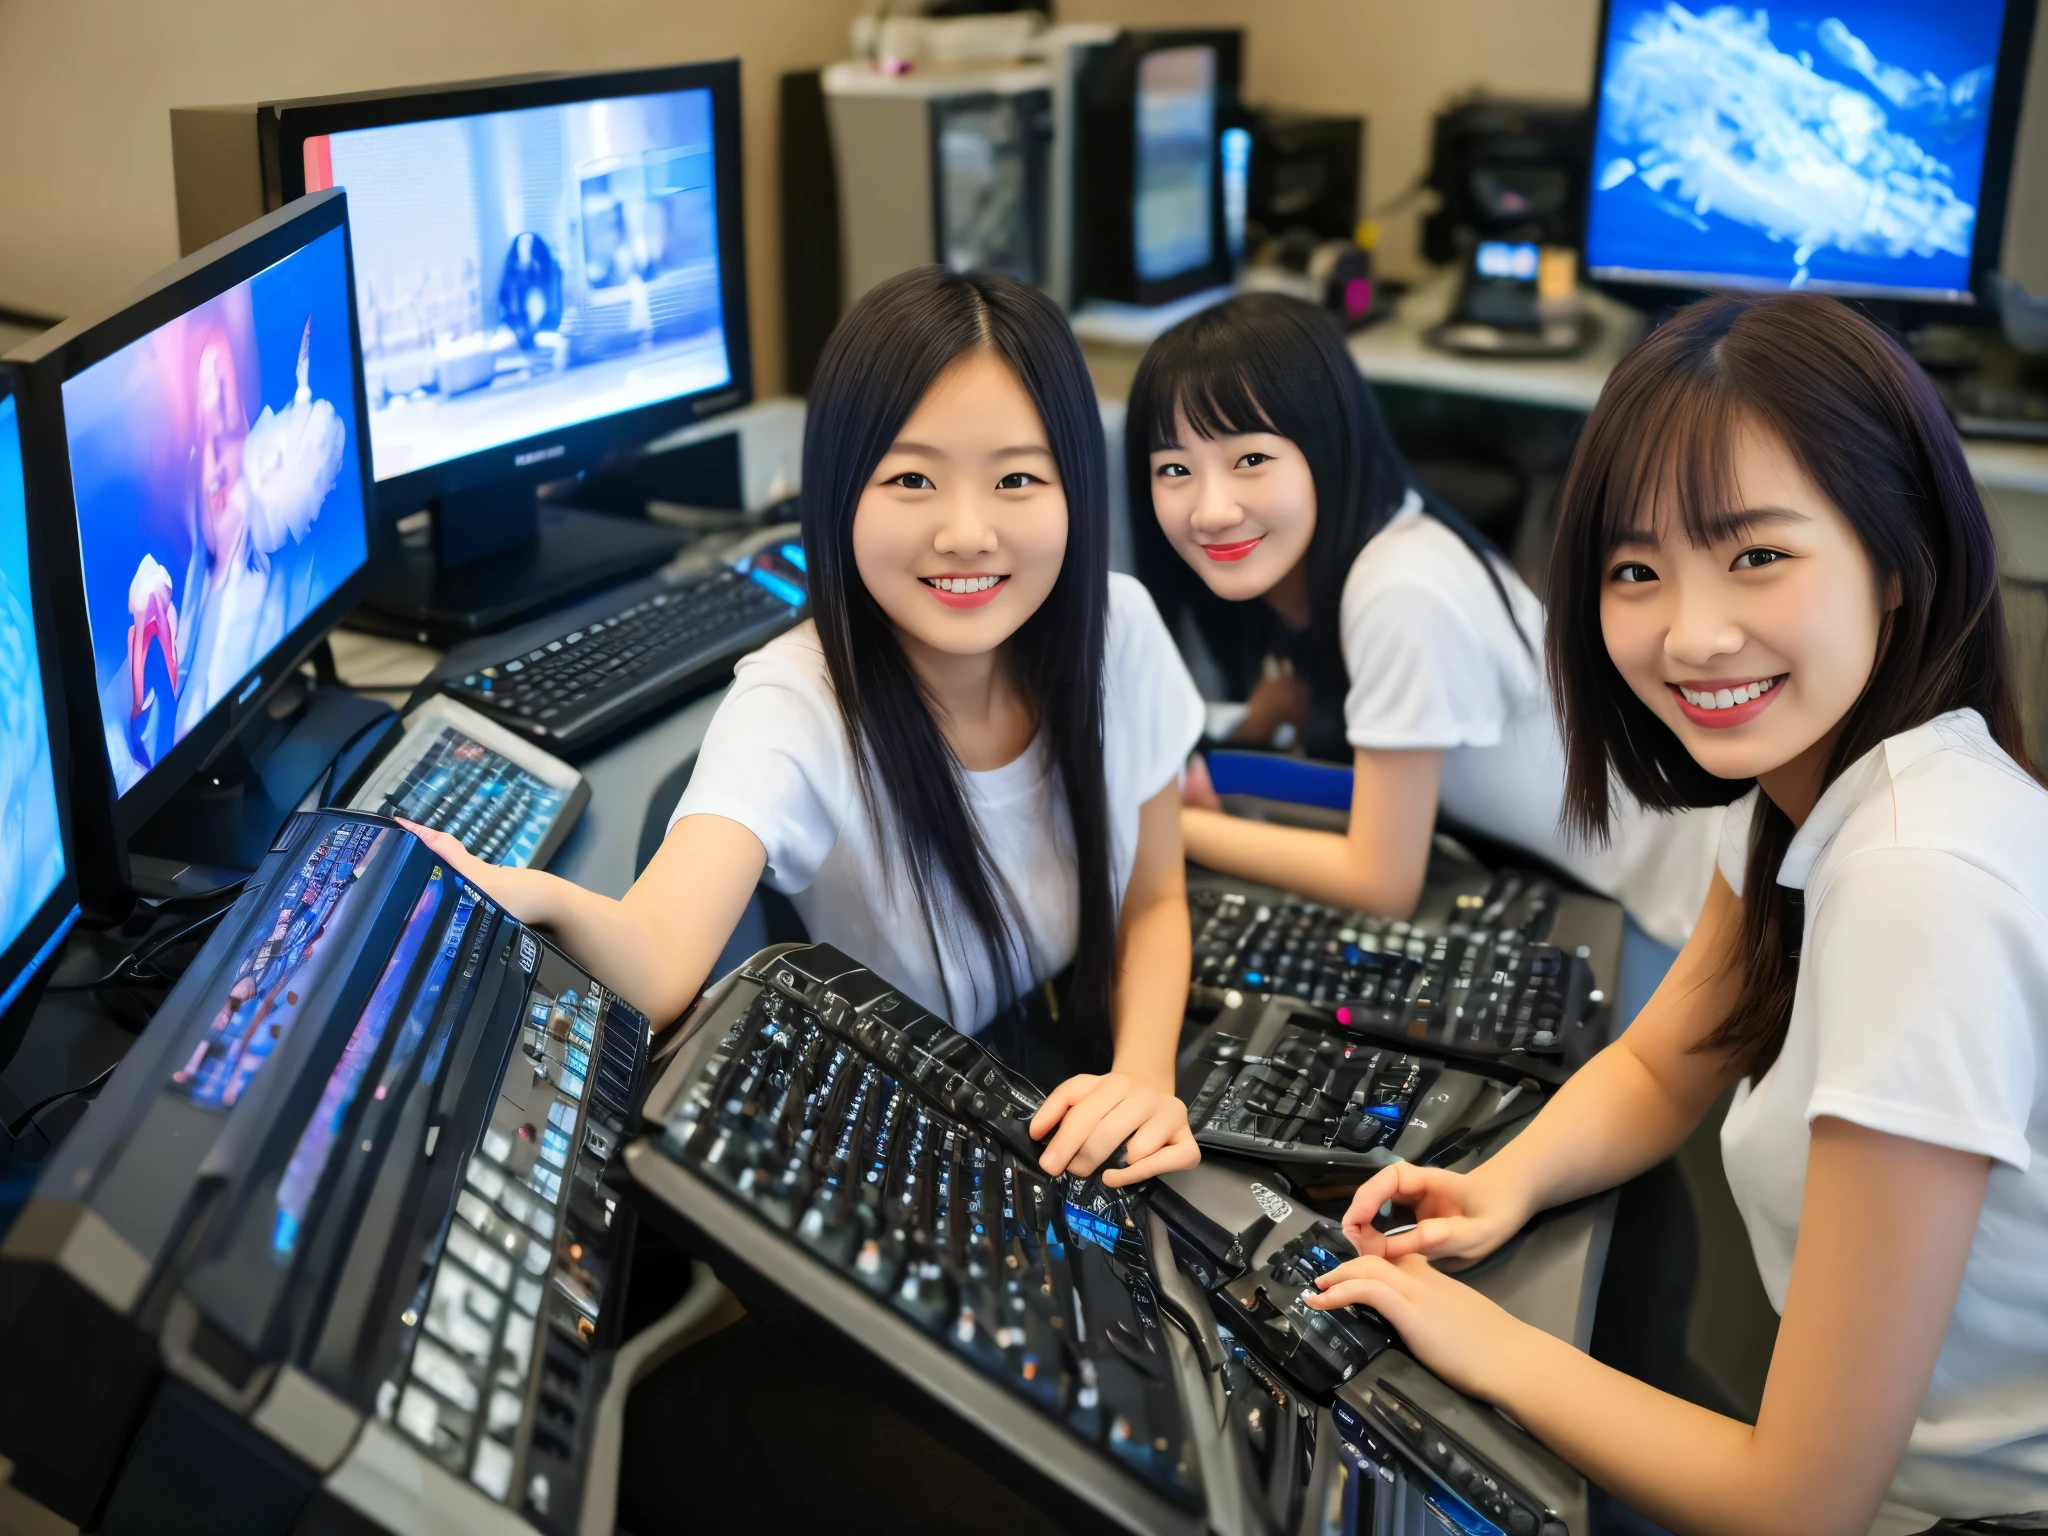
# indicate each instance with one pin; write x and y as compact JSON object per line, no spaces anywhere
{"x":776,"y":760}
{"x":1921,"y":1010}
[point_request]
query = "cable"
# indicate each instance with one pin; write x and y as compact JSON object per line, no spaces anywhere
{"x":28,"y":1116}
{"x":127,"y":971}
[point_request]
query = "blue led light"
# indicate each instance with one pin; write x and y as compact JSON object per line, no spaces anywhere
{"x":1384,"y":1111}
{"x":1253,"y":978}
{"x":788,"y":591}
{"x":794,"y":554}
{"x":1091,"y":1228}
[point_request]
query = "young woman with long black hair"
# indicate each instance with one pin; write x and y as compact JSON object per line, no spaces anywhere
{"x":1271,"y":509}
{"x":924,"y":768}
{"x":1776,"y":587}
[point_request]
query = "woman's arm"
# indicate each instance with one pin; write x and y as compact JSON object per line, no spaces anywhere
{"x":1884,"y":1232}
{"x":1133,"y":1105}
{"x":654,"y":946}
{"x":1376,"y":864}
{"x":1628,"y":1108}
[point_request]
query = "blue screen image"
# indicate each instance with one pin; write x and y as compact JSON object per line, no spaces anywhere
{"x":522,"y":272}
{"x":1832,"y":143}
{"x":31,"y":849}
{"x":215,"y":467}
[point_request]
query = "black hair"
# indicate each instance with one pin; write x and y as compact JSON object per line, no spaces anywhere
{"x":877,"y":365}
{"x":1863,"y":422}
{"x":1265,"y":362}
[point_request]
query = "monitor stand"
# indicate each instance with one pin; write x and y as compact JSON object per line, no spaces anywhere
{"x":221,"y":823}
{"x":497,"y":555}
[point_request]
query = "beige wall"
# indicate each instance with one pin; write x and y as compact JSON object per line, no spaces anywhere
{"x":1395,"y":61}
{"x":86,"y":86}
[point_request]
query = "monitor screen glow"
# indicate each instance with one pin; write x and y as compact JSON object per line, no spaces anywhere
{"x":1837,"y":144}
{"x":522,"y":272}
{"x":1176,"y":152}
{"x":31,"y":847}
{"x":214,"y":468}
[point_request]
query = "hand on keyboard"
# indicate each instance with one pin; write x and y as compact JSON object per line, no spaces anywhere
{"x":1459,"y":1218}
{"x":1088,"y":1118}
{"x":1464,"y":1337}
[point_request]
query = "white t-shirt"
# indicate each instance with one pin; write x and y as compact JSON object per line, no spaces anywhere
{"x":1922,"y":1011}
{"x":1434,"y":662}
{"x":776,"y":760}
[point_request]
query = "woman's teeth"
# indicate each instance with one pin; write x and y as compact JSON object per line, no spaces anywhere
{"x":963,"y":583}
{"x":1728,"y":698}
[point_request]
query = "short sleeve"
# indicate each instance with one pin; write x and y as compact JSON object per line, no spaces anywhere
{"x":1422,"y":674}
{"x":1153,"y":712}
{"x":1930,"y":988}
{"x":1733,"y":858}
{"x":774,"y":761}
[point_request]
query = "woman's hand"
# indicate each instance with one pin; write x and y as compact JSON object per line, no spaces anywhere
{"x":1458,"y":1217}
{"x":519,"y":891}
{"x":1452,"y":1329}
{"x":1096,"y":1115}
{"x":1196,"y":791}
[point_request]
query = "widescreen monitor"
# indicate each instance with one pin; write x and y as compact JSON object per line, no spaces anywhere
{"x":37,"y":885}
{"x":206,"y":486}
{"x":544,"y":267}
{"x":1853,"y":146}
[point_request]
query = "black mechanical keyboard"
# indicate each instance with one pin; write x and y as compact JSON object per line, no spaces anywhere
{"x":898,"y":1153}
{"x":496,"y":809}
{"x":1276,"y":1080}
{"x":355,"y":1236}
{"x":1482,"y":983}
{"x":613,"y":661}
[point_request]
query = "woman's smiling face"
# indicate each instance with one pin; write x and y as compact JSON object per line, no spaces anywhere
{"x":1239,"y":508}
{"x":1755,"y":645}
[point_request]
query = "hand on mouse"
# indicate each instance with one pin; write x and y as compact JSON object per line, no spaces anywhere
{"x":1458,"y":1217}
{"x":1096,"y":1115}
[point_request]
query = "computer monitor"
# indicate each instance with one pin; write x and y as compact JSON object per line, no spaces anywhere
{"x":1148,"y":168}
{"x":197,"y":453}
{"x":1858,"y":147}
{"x":38,"y":884}
{"x":549,"y":269}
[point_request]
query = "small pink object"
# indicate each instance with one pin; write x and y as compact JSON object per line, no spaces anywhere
{"x":1343,"y":1015}
{"x":1358,"y":297}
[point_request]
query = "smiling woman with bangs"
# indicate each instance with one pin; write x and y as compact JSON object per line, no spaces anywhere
{"x":1776,"y":588}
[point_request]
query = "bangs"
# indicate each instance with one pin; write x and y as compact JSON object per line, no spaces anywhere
{"x":1672,"y":474}
{"x":1192,"y":377}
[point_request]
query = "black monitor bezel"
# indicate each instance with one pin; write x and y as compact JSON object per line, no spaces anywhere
{"x":2008,"y":92}
{"x":34,"y":948}
{"x":1106,"y":254}
{"x":62,"y":354}
{"x":285,"y":126}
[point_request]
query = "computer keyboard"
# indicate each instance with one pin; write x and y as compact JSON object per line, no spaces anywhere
{"x":1277,"y":1080}
{"x":614,"y":660}
{"x":1483,"y":982}
{"x":898,"y":1154}
{"x":497,"y":810}
{"x":455,"y":770}
{"x":1320,"y":1349}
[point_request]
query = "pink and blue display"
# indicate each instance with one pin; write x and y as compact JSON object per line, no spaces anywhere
{"x":215,"y":468}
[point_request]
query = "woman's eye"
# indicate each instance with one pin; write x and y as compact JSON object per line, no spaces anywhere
{"x":1172,"y":471}
{"x":1016,"y":480}
{"x":1757,"y":559}
{"x":1253,"y":460}
{"x":911,"y":480}
{"x":1634,"y":570}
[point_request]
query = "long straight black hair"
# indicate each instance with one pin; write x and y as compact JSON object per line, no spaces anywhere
{"x":1265,"y":362}
{"x":877,"y":365}
{"x":1860,"y":418}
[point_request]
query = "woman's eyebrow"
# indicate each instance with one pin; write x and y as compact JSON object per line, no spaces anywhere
{"x":1038,"y":449}
{"x":1716,"y":527}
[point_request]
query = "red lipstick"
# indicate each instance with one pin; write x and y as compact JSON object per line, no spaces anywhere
{"x":964,"y":599}
{"x":1732,"y":715}
{"x":1235,"y":551}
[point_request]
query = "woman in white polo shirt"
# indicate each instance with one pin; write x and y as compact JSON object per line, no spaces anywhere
{"x":1284,"y":525}
{"x":1772,"y":569}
